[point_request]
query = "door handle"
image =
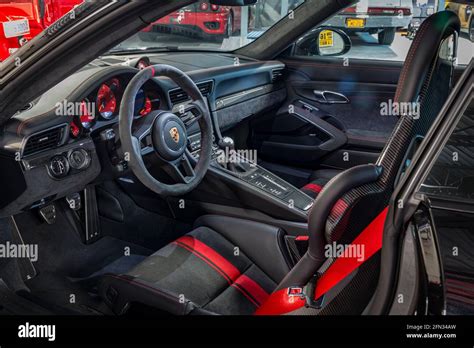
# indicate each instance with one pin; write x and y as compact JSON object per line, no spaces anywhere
{"x":330,"y":97}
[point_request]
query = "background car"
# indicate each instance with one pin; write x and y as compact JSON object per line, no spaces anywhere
{"x":464,"y":11}
{"x":22,"y":20}
{"x":198,"y":20}
{"x":376,"y":17}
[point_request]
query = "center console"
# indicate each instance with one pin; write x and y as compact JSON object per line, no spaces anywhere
{"x":278,"y":188}
{"x":227,"y":162}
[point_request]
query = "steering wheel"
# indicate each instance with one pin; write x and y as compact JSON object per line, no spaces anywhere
{"x":165,"y":133}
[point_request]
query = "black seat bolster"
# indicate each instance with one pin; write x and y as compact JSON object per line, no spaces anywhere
{"x":262,"y":243}
{"x":324,"y":174}
{"x":334,"y":190}
{"x":119,"y":291}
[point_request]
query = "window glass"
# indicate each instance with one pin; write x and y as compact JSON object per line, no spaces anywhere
{"x":384,"y":29}
{"x":379,"y":29}
{"x":452,"y":175}
{"x":211,"y":27}
{"x":201,"y":25}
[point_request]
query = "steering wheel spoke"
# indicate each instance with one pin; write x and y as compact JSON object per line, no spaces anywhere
{"x":181,"y":170}
{"x":142,"y":130}
{"x":142,"y":127}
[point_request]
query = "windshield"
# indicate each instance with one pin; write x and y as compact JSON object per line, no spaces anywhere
{"x":378,"y":29}
{"x":210,"y":27}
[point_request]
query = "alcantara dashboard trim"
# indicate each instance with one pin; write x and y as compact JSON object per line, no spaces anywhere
{"x":243,"y":96}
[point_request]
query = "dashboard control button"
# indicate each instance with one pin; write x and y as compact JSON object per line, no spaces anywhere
{"x":122,"y":166}
{"x":108,"y":134}
{"x":58,"y":166}
{"x":79,"y":159}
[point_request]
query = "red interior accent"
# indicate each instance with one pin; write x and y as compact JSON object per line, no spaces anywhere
{"x":252,"y":288}
{"x":295,"y":291}
{"x":106,"y":99}
{"x":211,"y":255}
{"x":313,"y":187}
{"x":85,"y":116}
{"x":339,"y":208}
{"x":147,"y":108}
{"x":248,"y":287}
{"x":302,"y":238}
{"x":371,"y":238}
{"x":75,"y":130}
{"x":280,"y":303}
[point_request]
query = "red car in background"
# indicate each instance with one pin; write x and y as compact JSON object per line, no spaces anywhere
{"x":201,"y":19}
{"x":22,"y":20}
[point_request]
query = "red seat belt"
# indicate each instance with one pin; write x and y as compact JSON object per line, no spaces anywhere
{"x":371,"y":237}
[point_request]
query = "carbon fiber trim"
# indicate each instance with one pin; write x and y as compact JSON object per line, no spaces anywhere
{"x":364,"y":203}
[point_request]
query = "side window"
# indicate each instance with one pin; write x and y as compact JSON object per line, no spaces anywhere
{"x":22,"y":20}
{"x":452,"y":175}
{"x":382,"y":30}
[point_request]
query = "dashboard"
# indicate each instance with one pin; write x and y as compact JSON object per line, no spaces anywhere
{"x":61,"y":142}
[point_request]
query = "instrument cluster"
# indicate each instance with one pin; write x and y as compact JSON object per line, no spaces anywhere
{"x":101,"y":107}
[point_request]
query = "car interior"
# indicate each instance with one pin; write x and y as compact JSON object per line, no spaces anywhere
{"x":136,"y":208}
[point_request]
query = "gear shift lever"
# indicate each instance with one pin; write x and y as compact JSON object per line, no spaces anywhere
{"x":228,"y":146}
{"x":227,"y":143}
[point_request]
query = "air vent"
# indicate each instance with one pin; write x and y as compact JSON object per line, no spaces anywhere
{"x":178,"y":95}
{"x":45,"y":140}
{"x":205,"y":88}
{"x":277,"y":75}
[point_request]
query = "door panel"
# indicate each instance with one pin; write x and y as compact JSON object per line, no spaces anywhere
{"x":366,"y":84}
{"x":343,"y":101}
{"x":361,"y":116}
{"x":297,"y":128}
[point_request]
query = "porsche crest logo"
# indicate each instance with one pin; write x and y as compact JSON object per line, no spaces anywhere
{"x":174,"y":134}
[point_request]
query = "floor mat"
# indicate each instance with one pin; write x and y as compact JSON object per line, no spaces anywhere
{"x":63,"y":296}
{"x":62,"y":252}
{"x":68,"y":270}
